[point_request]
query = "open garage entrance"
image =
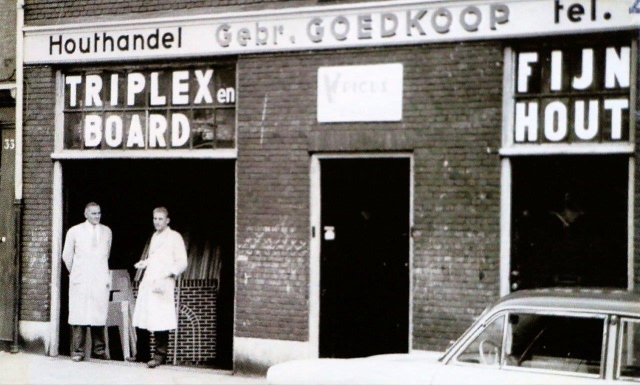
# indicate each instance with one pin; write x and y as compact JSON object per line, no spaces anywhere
{"x":364,"y":263}
{"x":200,"y":197}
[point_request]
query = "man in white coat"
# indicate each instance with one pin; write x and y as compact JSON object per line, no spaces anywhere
{"x":155,"y":308}
{"x":86,"y":255}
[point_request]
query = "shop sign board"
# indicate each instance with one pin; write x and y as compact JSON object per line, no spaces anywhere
{"x":175,"y":108}
{"x":365,"y":93}
{"x":573,"y":95}
{"x":323,"y":27}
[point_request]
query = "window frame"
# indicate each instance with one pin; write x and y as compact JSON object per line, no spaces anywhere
{"x":604,"y":358}
{"x":617,"y":365}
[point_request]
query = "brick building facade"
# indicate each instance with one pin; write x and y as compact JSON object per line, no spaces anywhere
{"x":449,"y":160}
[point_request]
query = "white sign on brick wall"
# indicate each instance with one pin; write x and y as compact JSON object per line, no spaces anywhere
{"x":364,"y":93}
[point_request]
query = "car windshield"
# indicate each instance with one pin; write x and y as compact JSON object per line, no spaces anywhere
{"x":454,"y":343}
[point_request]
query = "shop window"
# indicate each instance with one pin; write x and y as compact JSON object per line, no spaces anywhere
{"x":569,"y":221}
{"x":185,"y":108}
{"x":568,"y":92}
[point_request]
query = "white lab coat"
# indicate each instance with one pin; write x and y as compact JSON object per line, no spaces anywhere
{"x":156,"y":311}
{"x":89,"y":278}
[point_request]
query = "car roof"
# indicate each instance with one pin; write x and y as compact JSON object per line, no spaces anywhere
{"x":600,"y":300}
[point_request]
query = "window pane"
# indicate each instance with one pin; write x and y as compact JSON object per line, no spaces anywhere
{"x":629,"y":365}
{"x":204,"y":123}
{"x":486,"y":348}
{"x":73,"y":131}
{"x":225,"y":128}
{"x":571,"y":344}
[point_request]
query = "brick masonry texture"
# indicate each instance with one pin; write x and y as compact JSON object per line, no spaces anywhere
{"x":452,"y":122}
{"x":636,"y":235}
{"x":7,"y":40}
{"x":197,"y":323}
{"x":53,"y":12}
{"x":38,"y":146}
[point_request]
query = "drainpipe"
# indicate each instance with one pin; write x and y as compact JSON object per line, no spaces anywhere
{"x":18,"y":204}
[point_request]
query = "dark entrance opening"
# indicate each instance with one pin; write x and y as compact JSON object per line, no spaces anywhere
{"x":200,"y":197}
{"x":569,"y":221}
{"x":364,"y":268}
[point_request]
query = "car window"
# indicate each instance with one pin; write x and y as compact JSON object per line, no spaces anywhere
{"x":555,"y":342}
{"x":486,"y":348}
{"x":629,"y":350}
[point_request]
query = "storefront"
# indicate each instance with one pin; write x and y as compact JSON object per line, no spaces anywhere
{"x":136,"y":138}
{"x":571,"y":155}
{"x":353,"y":179}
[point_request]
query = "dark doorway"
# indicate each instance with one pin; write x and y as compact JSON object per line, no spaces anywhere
{"x":364,"y":269}
{"x":200,"y":197}
{"x":569,"y":221}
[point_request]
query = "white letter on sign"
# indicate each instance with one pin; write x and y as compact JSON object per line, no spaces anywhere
{"x":135,"y":136}
{"x":584,"y":81}
{"x":552,"y":110}
{"x":93,"y":86}
{"x":617,"y":67}
{"x":179,"y":130}
{"x":157,"y":128}
{"x":180,"y":94}
{"x":203,"y":84}
{"x":92,"y":130}
{"x":526,"y":124}
{"x":113,"y":131}
{"x":592,"y":123}
{"x":524,"y":70}
{"x":73,"y":82}
{"x":556,"y":70}
{"x":135,"y":85}
{"x":156,"y":100}
{"x":616,"y":106}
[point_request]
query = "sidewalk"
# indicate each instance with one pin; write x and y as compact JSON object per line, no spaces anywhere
{"x":23,"y":368}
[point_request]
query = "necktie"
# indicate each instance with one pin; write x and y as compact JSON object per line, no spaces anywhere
{"x":94,"y":239}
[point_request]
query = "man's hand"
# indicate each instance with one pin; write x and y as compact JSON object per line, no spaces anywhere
{"x":140,"y":265}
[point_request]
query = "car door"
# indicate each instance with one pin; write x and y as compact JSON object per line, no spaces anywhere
{"x":529,"y":348}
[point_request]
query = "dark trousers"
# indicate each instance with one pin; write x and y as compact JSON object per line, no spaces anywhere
{"x":78,"y":340}
{"x":162,"y":344}
{"x":143,"y":344}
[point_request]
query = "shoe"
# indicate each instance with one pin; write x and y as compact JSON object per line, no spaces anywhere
{"x":157,"y":361}
{"x":77,"y":358}
{"x":132,"y":359}
{"x":102,"y":356}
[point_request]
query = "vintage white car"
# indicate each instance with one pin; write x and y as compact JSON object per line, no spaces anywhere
{"x":544,"y":336}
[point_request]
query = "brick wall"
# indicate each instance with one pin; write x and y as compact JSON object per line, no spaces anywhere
{"x":55,"y":11}
{"x":636,"y":235}
{"x":452,"y":119}
{"x":36,"y":232}
{"x":7,"y":40}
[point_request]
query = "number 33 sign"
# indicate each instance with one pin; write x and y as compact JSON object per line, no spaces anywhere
{"x":9,"y":144}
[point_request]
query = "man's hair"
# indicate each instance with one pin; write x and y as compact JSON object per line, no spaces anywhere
{"x":163,"y":210}
{"x":90,"y":205}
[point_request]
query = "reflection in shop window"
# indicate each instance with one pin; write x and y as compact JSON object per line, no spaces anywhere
{"x":569,"y":224}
